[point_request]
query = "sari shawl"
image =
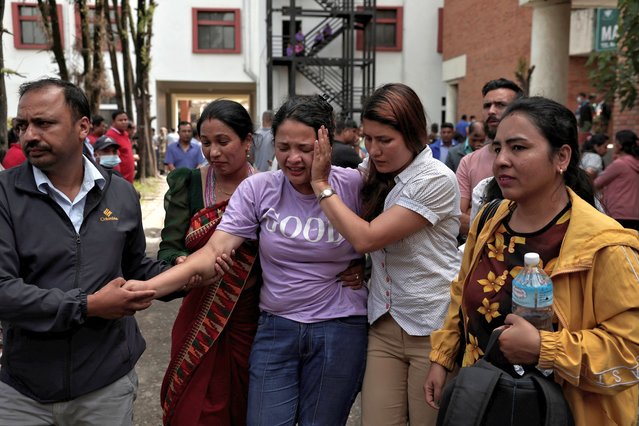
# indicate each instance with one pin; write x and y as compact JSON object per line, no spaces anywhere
{"x":214,"y":305}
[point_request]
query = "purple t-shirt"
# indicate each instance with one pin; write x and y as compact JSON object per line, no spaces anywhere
{"x":300,"y":252}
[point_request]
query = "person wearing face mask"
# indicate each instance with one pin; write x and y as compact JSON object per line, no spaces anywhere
{"x":106,"y":152}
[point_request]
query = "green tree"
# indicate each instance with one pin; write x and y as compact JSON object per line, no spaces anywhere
{"x":142,"y":36}
{"x":616,"y":74}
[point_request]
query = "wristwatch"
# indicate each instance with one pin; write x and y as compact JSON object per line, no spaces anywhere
{"x":325,"y":194}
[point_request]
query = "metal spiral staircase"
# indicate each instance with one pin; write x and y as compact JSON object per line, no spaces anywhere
{"x":345,"y":76}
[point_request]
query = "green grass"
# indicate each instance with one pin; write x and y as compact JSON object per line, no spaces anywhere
{"x":149,"y":187}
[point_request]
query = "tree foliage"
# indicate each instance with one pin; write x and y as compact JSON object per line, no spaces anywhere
{"x":616,"y":74}
{"x":142,"y":35}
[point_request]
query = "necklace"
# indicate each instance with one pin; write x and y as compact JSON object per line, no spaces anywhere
{"x":210,"y":198}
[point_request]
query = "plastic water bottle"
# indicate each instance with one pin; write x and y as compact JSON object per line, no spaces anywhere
{"x":532,"y":297}
{"x":532,"y":294}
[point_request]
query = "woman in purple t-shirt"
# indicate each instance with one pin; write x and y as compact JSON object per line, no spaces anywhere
{"x":308,"y":357}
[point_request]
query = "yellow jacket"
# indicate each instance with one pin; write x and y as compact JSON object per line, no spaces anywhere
{"x":595,"y":352}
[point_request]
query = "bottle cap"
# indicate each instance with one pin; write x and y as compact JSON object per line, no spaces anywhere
{"x":531,"y":259}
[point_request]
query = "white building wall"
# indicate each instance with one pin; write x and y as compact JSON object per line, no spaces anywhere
{"x":418,"y":64}
{"x":173,"y":60}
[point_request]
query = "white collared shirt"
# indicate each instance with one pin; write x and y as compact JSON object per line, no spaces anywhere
{"x":411,"y":278}
{"x":74,"y":209}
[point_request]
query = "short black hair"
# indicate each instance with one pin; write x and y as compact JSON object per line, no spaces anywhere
{"x":345,"y":123}
{"x":74,"y":97}
{"x":96,"y":120}
{"x":448,"y":125}
{"x":118,"y":112}
{"x":184,"y":123}
{"x":502,"y":83}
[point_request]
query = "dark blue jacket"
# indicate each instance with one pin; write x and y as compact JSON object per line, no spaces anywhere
{"x":52,"y":351}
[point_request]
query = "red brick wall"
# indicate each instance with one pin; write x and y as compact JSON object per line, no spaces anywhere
{"x":578,"y":80}
{"x":629,"y":119}
{"x":493,"y":34}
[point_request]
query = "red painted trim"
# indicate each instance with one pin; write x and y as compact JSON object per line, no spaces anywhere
{"x":17,"y":29}
{"x":399,"y":30}
{"x":236,"y":24}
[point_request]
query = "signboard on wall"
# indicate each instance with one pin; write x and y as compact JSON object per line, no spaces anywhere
{"x":606,"y":29}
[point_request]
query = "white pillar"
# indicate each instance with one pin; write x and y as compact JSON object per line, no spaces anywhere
{"x":451,"y":103}
{"x":549,"y":50}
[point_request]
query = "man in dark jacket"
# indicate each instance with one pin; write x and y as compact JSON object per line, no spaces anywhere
{"x":346,"y":136}
{"x":69,"y":233}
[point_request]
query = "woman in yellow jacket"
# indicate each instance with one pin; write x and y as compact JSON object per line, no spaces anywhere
{"x":592,"y":260}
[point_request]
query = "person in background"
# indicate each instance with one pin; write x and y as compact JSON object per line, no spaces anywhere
{"x":475,"y":140}
{"x":593,"y":262}
{"x":98,"y":128}
{"x":263,"y":148}
{"x":210,"y":386}
{"x":105,"y":152}
{"x":620,"y":181}
{"x":592,"y":152}
{"x":118,"y":132}
{"x":462,"y":126}
{"x":309,"y":352}
{"x":445,"y":143}
{"x":476,"y":166}
{"x":434,"y":133}
{"x":409,"y":224}
{"x":71,"y":341}
{"x":346,"y":137}
{"x":14,"y":156}
{"x":185,"y":153}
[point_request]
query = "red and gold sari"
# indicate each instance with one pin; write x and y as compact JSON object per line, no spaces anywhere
{"x":206,"y":382}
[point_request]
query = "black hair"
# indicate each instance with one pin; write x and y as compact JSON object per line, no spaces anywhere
{"x":118,"y":112}
{"x":464,"y":117}
{"x":558,"y":125}
{"x":311,"y":110}
{"x":448,"y":125}
{"x":184,"y":123}
{"x":96,"y":120}
{"x":398,"y":106}
{"x":74,"y":97}
{"x":595,"y":140}
{"x":502,"y":83}
{"x":345,"y":123}
{"x":231,"y":113}
{"x":627,"y":139}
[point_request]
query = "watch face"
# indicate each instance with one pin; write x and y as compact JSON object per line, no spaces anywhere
{"x":327,"y":192}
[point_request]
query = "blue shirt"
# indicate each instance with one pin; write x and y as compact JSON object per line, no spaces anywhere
{"x":190,"y":159}
{"x":461,"y":127}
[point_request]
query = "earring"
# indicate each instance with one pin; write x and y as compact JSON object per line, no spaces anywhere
{"x":561,"y":171}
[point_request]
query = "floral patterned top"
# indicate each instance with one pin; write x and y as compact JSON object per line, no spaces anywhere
{"x":487,"y":296}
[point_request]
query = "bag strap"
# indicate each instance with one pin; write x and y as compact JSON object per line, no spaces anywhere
{"x":489,"y":211}
{"x":473,"y":390}
{"x":493,"y":345}
{"x":557,"y":409}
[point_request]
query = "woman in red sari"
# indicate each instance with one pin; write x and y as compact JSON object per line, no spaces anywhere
{"x":206,"y":382}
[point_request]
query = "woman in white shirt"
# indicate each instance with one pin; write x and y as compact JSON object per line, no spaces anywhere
{"x":410,"y":222}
